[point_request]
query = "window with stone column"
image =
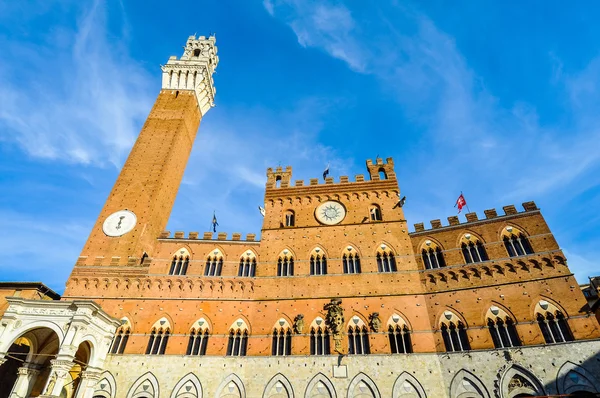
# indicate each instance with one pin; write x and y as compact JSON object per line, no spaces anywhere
{"x":285,"y":263}
{"x":121,"y":337}
{"x":515,"y":242}
{"x":214,"y":263}
{"x":198,"y":340}
{"x":502,"y":328}
{"x":247,"y":264}
{"x":351,"y":261}
{"x":159,"y":337}
{"x":237,"y":343}
{"x":358,"y":337}
{"x":318,"y":262}
{"x":386,"y":262}
{"x":432,"y":255}
{"x":473,"y":249}
{"x":282,"y":338}
{"x":552,"y":323}
{"x":454,"y":333}
{"x":399,"y":335}
{"x":319,"y":337}
{"x":180,"y":262}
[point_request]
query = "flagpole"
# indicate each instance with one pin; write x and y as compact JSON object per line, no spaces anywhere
{"x":466,"y":204}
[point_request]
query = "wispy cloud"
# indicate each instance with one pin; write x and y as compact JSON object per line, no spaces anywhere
{"x":78,"y":99}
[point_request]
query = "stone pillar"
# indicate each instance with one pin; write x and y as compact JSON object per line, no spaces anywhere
{"x":27,"y":376}
{"x":89,"y":378}
{"x":58,"y":377}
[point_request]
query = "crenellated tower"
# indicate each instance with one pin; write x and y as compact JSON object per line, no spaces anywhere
{"x":140,"y":203}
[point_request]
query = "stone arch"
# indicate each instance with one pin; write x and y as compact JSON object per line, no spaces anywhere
{"x":553,"y":306}
{"x":449,"y":314}
{"x":188,"y":387}
{"x":278,"y":387}
{"x":473,"y":236}
{"x":231,"y":387}
{"x":216,"y":248}
{"x":517,"y":380}
{"x":320,"y":387}
{"x":106,"y":387}
{"x":406,"y":386}
{"x":503,"y":310}
{"x":146,"y":386}
{"x":572,"y":377}
{"x":398,"y":314}
{"x":317,"y":249}
{"x":7,"y":341}
{"x":466,"y":385}
{"x":362,"y":386}
{"x":354,"y":248}
{"x":385,"y":246}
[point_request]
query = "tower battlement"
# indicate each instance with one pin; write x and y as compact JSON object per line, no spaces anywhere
{"x":472,"y":217}
{"x":194,"y":70}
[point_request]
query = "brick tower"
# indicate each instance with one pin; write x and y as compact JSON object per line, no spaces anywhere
{"x":140,"y":203}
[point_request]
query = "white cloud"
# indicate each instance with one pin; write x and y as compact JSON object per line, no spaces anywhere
{"x":79,"y":100}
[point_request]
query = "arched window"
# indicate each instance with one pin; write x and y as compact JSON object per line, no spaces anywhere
{"x":385,"y":259}
{"x":399,"y":335}
{"x":197,"y":52}
{"x":375,"y":213}
{"x":198,"y":338}
{"x":319,"y":338}
{"x":290,"y":218}
{"x":247,"y":264}
{"x":285,"y":264}
{"x":121,"y":337}
{"x":351,"y":261}
{"x":238,"y":339}
{"x":552,"y":323}
{"x":159,"y":337}
{"x":454,"y":333}
{"x":472,"y":249}
{"x":502,"y":328}
{"x":180,"y":262}
{"x":282,"y":338}
{"x":278,"y":182}
{"x":382,"y":174}
{"x":318,"y":262}
{"x":358,"y":337}
{"x":516,"y":242}
{"x":214,"y":264}
{"x":432,"y":255}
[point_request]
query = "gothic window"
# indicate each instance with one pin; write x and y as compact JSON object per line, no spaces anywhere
{"x":214,"y":264}
{"x":399,"y":335}
{"x":282,"y":339}
{"x":198,"y":338}
{"x":358,"y":337}
{"x":285,"y":264}
{"x":502,"y":328}
{"x":552,"y":323}
{"x":180,"y":262}
{"x":432,"y":255}
{"x":159,"y":337}
{"x":516,"y":242}
{"x":385,"y":260}
{"x":319,"y":338}
{"x":375,"y":212}
{"x":351,"y":261}
{"x":247,"y":264}
{"x":382,"y":174}
{"x":454,"y":333}
{"x":472,"y":249}
{"x":318,"y":262}
{"x":121,"y":338}
{"x":290,"y":218}
{"x":238,"y":339}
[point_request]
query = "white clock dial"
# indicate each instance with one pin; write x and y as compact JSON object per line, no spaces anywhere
{"x":119,"y":223}
{"x":330,"y":213}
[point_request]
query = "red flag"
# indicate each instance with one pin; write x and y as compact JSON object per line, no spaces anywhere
{"x":460,"y":203}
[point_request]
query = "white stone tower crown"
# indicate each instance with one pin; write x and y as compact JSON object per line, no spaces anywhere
{"x":194,"y":70}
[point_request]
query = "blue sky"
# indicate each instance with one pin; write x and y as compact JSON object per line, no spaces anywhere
{"x":495,"y":99}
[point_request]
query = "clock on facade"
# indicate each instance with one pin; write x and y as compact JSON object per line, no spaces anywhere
{"x":330,"y":213}
{"x":119,"y":223}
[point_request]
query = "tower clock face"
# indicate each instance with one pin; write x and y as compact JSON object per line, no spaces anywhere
{"x":330,"y":213}
{"x":119,"y":223}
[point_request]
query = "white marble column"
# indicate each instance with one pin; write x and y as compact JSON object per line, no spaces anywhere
{"x":58,"y":377}
{"x":27,"y":376}
{"x":89,"y":379}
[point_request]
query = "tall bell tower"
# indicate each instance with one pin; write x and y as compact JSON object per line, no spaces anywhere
{"x":140,"y":203}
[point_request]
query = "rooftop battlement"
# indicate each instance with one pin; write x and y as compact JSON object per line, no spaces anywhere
{"x":208,"y":236}
{"x":378,"y":171}
{"x":472,"y":217}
